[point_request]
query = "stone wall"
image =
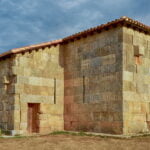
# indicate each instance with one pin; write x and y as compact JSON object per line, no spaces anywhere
{"x":99,"y":83}
{"x":136,"y":81}
{"x":93,"y":83}
{"x":36,"y":74}
{"x":7,"y":80}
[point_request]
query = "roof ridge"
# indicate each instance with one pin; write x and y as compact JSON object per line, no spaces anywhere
{"x":135,"y":21}
{"x":15,"y":50}
{"x":124,"y":19}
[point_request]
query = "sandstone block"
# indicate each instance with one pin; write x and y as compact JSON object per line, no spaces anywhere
{"x":127,"y":76}
{"x":139,"y":50}
{"x":128,"y":38}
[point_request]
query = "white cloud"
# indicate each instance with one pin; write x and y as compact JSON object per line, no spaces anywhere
{"x":26,"y":22}
{"x":69,"y":4}
{"x":91,"y":15}
{"x":28,"y":6}
{"x":113,"y":3}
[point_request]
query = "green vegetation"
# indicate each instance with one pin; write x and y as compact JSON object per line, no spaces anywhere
{"x":96,"y":135}
{"x":70,"y":133}
{"x":79,"y":134}
{"x":0,"y":132}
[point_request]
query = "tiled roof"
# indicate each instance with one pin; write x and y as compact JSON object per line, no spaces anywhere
{"x":126,"y":21}
{"x":31,"y":47}
{"x":123,"y":21}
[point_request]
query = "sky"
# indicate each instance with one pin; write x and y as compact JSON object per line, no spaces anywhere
{"x":26,"y":22}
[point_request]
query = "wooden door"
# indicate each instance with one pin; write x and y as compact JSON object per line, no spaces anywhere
{"x":33,"y":117}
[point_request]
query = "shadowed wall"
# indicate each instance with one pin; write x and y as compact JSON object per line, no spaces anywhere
{"x":93,"y":83}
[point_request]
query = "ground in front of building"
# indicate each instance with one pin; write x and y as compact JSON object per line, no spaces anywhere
{"x":72,"y":142}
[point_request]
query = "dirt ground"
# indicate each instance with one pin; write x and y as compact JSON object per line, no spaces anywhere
{"x":70,"y":142}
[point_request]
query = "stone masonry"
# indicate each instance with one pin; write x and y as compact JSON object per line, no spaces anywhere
{"x":97,"y":80}
{"x":136,"y":81}
{"x":91,"y":66}
{"x":23,"y":83}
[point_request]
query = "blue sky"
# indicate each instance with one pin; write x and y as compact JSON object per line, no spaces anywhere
{"x":25,"y":22}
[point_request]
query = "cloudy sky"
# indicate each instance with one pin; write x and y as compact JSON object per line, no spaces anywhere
{"x":25,"y":22}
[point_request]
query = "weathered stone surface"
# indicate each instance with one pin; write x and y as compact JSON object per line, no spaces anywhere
{"x":136,"y":92}
{"x":92,"y":84}
{"x":32,"y":81}
{"x":6,"y":98}
{"x":92,"y":88}
{"x":139,"y":50}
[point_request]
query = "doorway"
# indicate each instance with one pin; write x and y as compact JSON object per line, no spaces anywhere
{"x":33,"y":117}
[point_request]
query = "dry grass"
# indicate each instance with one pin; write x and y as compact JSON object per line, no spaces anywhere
{"x":81,"y":141}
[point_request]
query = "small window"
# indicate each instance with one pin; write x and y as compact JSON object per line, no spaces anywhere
{"x":54,"y":90}
{"x":138,"y":60}
{"x":83,"y":89}
{"x":149,"y":107}
{"x":139,"y":51}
